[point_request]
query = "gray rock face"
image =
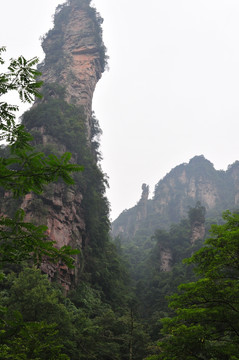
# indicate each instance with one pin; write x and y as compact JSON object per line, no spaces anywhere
{"x":180,"y":189}
{"x":74,"y":61}
{"x":73,"y":51}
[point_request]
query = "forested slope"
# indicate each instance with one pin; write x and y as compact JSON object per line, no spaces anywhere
{"x":112,"y":303}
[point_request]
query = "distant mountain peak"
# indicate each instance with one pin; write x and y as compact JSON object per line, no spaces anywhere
{"x":180,"y":189}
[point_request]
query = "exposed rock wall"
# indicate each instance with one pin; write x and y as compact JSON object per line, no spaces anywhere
{"x":74,"y":61}
{"x":75,"y":54}
{"x":179,"y":190}
{"x":233,"y":171}
{"x":197,"y":232}
{"x":166,"y":260}
{"x":60,"y":209}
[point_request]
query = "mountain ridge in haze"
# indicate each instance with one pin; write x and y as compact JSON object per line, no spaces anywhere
{"x":180,"y":189}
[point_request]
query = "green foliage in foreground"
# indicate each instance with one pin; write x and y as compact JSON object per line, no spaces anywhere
{"x":21,"y":241}
{"x":25,"y":170}
{"x":206,"y":321}
{"x":37,"y":322}
{"x":103,"y":318}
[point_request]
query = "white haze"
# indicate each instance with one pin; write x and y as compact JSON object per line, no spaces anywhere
{"x":172,"y":89}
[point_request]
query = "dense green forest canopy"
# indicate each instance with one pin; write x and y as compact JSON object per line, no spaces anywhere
{"x":135,"y":298}
{"x":205,"y":320}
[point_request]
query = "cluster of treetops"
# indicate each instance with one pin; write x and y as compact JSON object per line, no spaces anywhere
{"x":123,"y":306}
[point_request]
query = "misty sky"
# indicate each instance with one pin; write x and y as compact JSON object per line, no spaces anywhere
{"x":172,"y":91}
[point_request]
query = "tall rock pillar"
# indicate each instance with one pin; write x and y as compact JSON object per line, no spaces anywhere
{"x":62,"y":121}
{"x":75,"y":53}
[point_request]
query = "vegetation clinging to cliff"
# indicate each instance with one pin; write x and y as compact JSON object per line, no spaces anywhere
{"x":25,"y":170}
{"x":54,"y":39}
{"x":205,"y":321}
{"x":65,"y":125}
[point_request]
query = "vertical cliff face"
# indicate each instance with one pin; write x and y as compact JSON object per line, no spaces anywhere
{"x":184,"y":186}
{"x":143,"y":201}
{"x":62,"y":121}
{"x":179,"y":190}
{"x":75,"y":53}
{"x":233,"y":172}
{"x":166,"y":260}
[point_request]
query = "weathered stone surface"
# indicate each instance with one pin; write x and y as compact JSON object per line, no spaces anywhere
{"x":62,"y":213}
{"x":73,"y":60}
{"x":180,"y":189}
{"x":166,"y":259}
{"x":197,"y":232}
{"x":79,"y":66}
